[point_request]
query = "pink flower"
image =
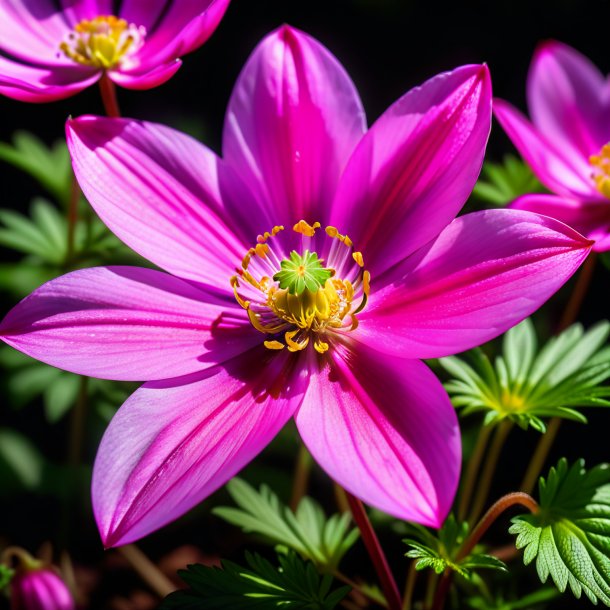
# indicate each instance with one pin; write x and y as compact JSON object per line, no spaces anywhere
{"x":40,"y":589}
{"x":51,"y":50}
{"x":567,"y":142}
{"x":244,"y":333}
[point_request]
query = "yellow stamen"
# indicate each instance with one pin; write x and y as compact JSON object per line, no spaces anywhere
{"x":601,"y":170}
{"x":305,"y":228}
{"x":273,"y":345}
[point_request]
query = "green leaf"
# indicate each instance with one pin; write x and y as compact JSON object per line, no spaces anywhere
{"x":532,"y":601}
{"x":6,"y":574}
{"x":22,"y":458}
{"x":60,"y":396}
{"x":501,"y":183}
{"x":295,"y":585}
{"x":50,"y":166}
{"x":526,"y":384}
{"x":569,"y":538}
{"x":440,"y":552}
{"x":307,"y":531}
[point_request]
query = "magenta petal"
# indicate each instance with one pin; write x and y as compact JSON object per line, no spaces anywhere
{"x":568,"y":99}
{"x":157,"y":190}
{"x":563,"y":171}
{"x":482,"y":275}
{"x":415,"y":168}
{"x":592,"y":219}
{"x":384,"y":429}
{"x":41,"y":85}
{"x":127,"y":323}
{"x":146,"y":80}
{"x":173,"y":443}
{"x":293,"y":120}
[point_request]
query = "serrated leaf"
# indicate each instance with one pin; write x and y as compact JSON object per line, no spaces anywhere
{"x":307,"y":531}
{"x":569,"y":538}
{"x":295,"y":585}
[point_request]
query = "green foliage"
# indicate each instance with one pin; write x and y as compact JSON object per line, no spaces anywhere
{"x":295,"y":585}
{"x":440,"y":552}
{"x":6,"y":574}
{"x":501,"y":183}
{"x":302,"y":272}
{"x":533,"y":601}
{"x":50,"y":166}
{"x":307,"y":530}
{"x":526,"y":384}
{"x":21,"y":458}
{"x":570,"y":535}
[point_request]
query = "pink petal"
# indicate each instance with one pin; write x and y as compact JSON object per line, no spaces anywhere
{"x":384,"y":429}
{"x":416,"y":167}
{"x":560,"y":169}
{"x":568,"y":99}
{"x":173,"y":443}
{"x":157,"y":190}
{"x":127,"y":323}
{"x":41,"y":85}
{"x":146,"y":80}
{"x":180,"y":29}
{"x":592,"y":219}
{"x":482,"y":275}
{"x":293,"y":120}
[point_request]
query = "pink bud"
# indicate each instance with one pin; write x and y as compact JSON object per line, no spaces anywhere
{"x":40,"y":589}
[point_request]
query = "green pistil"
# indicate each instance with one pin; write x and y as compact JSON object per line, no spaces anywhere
{"x":302,"y":272}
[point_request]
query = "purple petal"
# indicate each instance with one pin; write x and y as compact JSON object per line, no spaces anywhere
{"x":173,"y":443}
{"x":384,"y":429}
{"x":416,"y":167}
{"x":482,"y":275}
{"x":562,"y":170}
{"x":41,"y":85}
{"x":292,"y":122}
{"x":127,"y":323}
{"x":568,"y":99}
{"x":158,"y":191}
{"x":147,"y":79}
{"x":592,"y":219}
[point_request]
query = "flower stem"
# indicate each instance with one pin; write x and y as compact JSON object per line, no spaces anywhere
{"x":409,"y":586}
{"x":371,"y":596}
{"x":147,"y":570}
{"x":505,"y":502}
{"x":489,"y":469}
{"x":300,"y":481}
{"x":540,"y":454}
{"x":472,"y":470}
{"x":72,"y":218}
{"x":578,"y":294}
{"x":109,"y":99}
{"x":371,"y":542}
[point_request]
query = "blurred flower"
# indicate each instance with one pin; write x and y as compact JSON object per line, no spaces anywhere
{"x":245,"y":332}
{"x":566,"y":144}
{"x":36,"y":585}
{"x":51,"y":50}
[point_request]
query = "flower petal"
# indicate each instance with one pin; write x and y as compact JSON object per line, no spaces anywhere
{"x":416,"y":167}
{"x":293,"y":120}
{"x":41,"y":85}
{"x":482,"y":275}
{"x":561,"y":170}
{"x":173,"y":443}
{"x":592,"y":219}
{"x":568,"y":99}
{"x":126,"y":323}
{"x":384,"y":429}
{"x":157,"y":190}
{"x":147,"y":79}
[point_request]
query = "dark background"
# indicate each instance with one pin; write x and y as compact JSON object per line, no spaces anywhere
{"x":388,"y":46}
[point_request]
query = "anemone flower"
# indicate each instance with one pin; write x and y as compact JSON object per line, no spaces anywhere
{"x":567,"y":142}
{"x":305,"y":273}
{"x":51,"y":50}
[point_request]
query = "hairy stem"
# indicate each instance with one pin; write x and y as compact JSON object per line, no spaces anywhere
{"x":371,"y":542}
{"x":147,"y":570}
{"x":505,"y":502}
{"x":109,"y":99}
{"x":300,"y":480}
{"x":540,"y":454}
{"x":489,"y":469}
{"x":470,"y":475}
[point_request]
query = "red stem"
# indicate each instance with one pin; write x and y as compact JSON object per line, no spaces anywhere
{"x":380,"y":563}
{"x":109,"y":99}
{"x":505,"y":502}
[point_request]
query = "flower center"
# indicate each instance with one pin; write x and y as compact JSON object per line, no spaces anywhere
{"x":289,"y":294}
{"x":601,"y":170}
{"x":103,"y":42}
